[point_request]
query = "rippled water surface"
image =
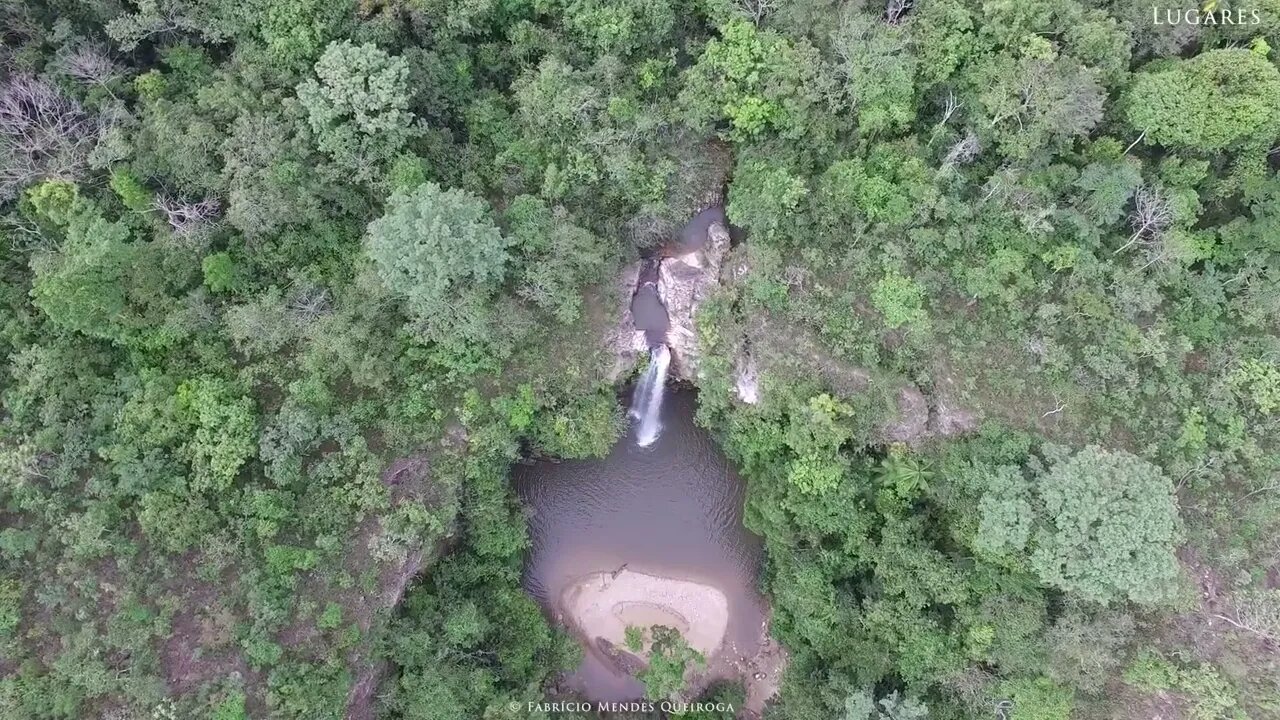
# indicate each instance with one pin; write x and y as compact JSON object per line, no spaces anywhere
{"x":672,"y":509}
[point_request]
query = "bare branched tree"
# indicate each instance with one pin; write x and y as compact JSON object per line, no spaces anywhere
{"x":25,"y":235}
{"x":1257,"y":612}
{"x":22,"y":463}
{"x":188,"y":218}
{"x":43,"y":134}
{"x":950,"y":106}
{"x":91,"y":65}
{"x":310,"y":303}
{"x":795,"y":276}
{"x":962,"y":152}
{"x":895,"y":9}
{"x":758,"y":10}
{"x":1150,"y":220}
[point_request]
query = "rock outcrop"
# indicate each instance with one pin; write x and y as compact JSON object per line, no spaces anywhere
{"x":910,"y":423}
{"x":625,"y":342}
{"x":684,"y":282}
{"x":747,"y":379}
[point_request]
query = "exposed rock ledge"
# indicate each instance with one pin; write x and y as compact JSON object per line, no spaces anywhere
{"x":624,"y":341}
{"x":684,"y":281}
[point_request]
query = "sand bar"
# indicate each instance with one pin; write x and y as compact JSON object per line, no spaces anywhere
{"x":603,"y":604}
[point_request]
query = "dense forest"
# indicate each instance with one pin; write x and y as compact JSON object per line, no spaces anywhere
{"x":286,"y":286}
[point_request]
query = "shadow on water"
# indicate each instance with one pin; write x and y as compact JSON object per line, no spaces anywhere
{"x":672,"y":509}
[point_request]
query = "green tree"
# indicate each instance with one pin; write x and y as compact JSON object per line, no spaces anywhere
{"x":556,"y":258}
{"x":766,"y":199}
{"x":816,"y":431}
{"x":669,"y":658}
{"x":1087,"y":646}
{"x":220,"y":272}
{"x":1109,"y":528}
{"x":862,"y":705}
{"x":634,"y":635}
{"x":619,"y":27}
{"x":756,"y":80}
{"x":879,"y":72}
{"x":103,"y":283}
{"x":440,"y":251}
{"x":296,"y":30}
{"x":1217,"y":100}
{"x":1037,"y":101}
{"x":226,"y":431}
{"x":1039,"y":699}
{"x":900,"y":300}
{"x":11,"y":592}
{"x":357,"y":106}
{"x":586,"y":426}
{"x":1005,"y":513}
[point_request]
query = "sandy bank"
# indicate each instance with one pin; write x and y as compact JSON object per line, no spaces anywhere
{"x":602,"y":605}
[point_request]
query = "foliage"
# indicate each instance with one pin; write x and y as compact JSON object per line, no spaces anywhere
{"x":1209,"y":695}
{"x":1005,"y":512}
{"x":1216,"y":100}
{"x":863,"y":706}
{"x":441,"y":252}
{"x":900,"y":300}
{"x":635,"y":638}
{"x":555,"y":256}
{"x":224,"y":431}
{"x":103,"y":284}
{"x":357,"y":107}
{"x":219,"y":272}
{"x":756,"y":81}
{"x":1110,"y":528}
{"x":670,"y":657}
{"x":1038,"y":699}
{"x":285,"y":287}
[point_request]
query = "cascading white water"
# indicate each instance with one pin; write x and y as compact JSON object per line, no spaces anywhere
{"x":646,"y":402}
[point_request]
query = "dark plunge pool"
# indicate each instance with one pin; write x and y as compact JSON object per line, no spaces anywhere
{"x":671,"y":510}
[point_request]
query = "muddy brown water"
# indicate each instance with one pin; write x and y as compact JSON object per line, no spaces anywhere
{"x":694,"y":233}
{"x":672,"y":509}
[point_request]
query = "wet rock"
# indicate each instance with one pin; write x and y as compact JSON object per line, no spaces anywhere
{"x":622,"y":661}
{"x":624,"y":341}
{"x":684,"y":282}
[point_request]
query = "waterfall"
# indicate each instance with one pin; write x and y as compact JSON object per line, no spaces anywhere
{"x":646,"y":402}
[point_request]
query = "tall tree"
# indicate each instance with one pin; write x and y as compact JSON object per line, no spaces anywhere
{"x":357,"y":106}
{"x":1109,"y":528}
{"x":441,"y":251}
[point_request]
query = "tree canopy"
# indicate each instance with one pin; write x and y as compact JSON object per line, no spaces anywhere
{"x":288,"y":286}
